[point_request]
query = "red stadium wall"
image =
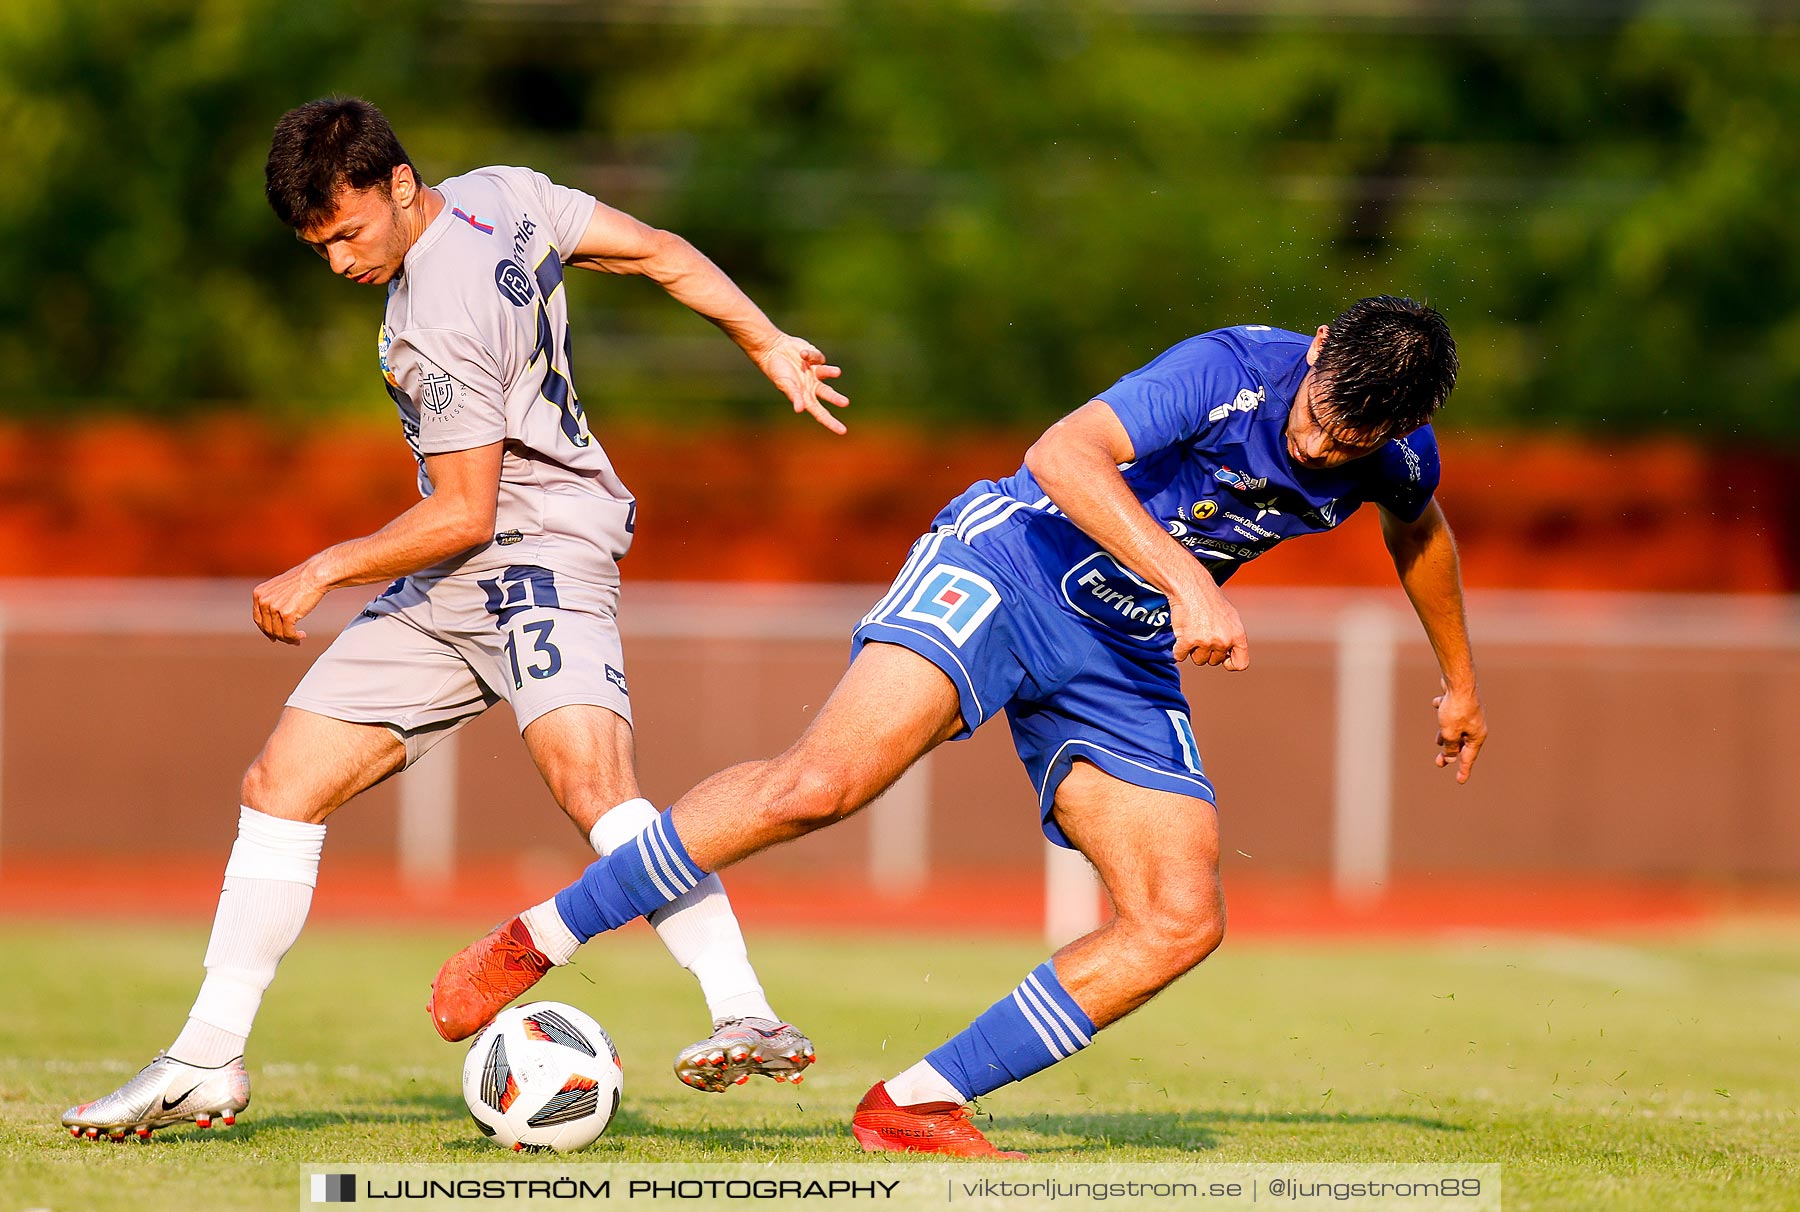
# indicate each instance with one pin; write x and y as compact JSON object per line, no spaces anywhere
{"x":1629,"y":779}
{"x":236,"y":497}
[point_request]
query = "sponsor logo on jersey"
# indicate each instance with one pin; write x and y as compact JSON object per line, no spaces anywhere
{"x":1203,"y":510}
{"x":507,"y":538}
{"x":486,"y":229}
{"x":522,"y":238}
{"x":1212,"y":549}
{"x":1205,"y":546}
{"x":514,"y":283}
{"x":617,"y":679}
{"x":1245,"y":401}
{"x":953,"y":600}
{"x":1104,"y":590}
{"x":384,"y":340}
{"x":1413,"y":470}
{"x":1239,"y":481}
{"x":1265,"y":508}
{"x":1250,"y":529}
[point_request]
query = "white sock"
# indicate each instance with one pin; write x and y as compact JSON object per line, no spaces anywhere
{"x":551,"y":934}
{"x":268,"y":889}
{"x":698,"y":928}
{"x":922,"y":1084}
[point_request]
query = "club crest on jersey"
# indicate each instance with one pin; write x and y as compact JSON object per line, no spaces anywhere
{"x":513,"y":282}
{"x":1239,"y":481}
{"x":437,"y":392}
{"x":953,"y":600}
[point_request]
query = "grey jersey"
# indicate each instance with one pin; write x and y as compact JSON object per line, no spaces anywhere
{"x":475,"y":349}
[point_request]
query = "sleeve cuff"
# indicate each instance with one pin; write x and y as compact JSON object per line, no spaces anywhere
{"x":450,"y":445}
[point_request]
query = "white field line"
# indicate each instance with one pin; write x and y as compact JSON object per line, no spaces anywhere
{"x":1615,"y":965}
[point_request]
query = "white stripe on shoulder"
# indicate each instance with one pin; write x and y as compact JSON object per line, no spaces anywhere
{"x":994,"y":520}
{"x":969,"y":517}
{"x":906,"y":570}
{"x":908,"y":579}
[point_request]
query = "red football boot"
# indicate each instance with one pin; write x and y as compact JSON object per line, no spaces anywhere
{"x":477,"y":982}
{"x":880,"y":1125}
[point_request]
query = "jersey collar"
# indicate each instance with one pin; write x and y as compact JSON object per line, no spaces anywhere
{"x":434,"y":231}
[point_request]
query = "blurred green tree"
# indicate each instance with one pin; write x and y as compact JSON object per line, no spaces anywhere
{"x":987,"y":212}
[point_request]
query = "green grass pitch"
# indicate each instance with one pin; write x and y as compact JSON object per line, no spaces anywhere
{"x":1653,"y":1074}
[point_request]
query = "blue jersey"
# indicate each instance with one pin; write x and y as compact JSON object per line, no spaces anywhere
{"x":1208,"y":422}
{"x":1021,"y":610}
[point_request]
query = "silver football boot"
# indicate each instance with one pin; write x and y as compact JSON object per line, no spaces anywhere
{"x":740,"y":1047}
{"x":165,"y":1091}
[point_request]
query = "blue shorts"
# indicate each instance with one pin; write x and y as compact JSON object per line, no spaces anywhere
{"x":1069,"y":690}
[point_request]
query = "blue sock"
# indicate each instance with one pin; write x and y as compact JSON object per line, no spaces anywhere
{"x":638,"y":878}
{"x":1031,"y":1029}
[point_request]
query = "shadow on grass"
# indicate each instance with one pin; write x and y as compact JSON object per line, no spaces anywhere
{"x":1179,"y":1132}
{"x":1092,"y":1133}
{"x":409,"y":1108}
{"x":630,"y":1132}
{"x":1185,"y":1131}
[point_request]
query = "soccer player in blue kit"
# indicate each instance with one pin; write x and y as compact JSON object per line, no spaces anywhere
{"x":1068,"y":594}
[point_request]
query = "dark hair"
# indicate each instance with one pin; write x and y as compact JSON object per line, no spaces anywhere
{"x":1387,"y":365}
{"x":323,"y":147}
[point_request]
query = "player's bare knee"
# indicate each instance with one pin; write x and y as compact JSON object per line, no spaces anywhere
{"x":266,"y":795}
{"x":586,"y":805}
{"x":253,"y":792}
{"x":1205,"y":934}
{"x":1182,"y":930}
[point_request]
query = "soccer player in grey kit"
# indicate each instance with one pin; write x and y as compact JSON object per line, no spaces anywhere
{"x":505,"y":576}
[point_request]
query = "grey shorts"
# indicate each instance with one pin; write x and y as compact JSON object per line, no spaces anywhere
{"x":428,"y":656}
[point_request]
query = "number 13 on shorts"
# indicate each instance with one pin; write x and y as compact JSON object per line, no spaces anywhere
{"x":521,"y":589}
{"x":541,"y":647}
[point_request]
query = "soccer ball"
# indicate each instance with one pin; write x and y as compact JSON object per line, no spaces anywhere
{"x":543,"y":1076}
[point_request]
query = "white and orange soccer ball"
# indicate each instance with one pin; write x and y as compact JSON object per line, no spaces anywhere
{"x":543,"y":1076}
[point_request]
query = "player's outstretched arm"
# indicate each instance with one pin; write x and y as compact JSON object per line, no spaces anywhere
{"x":1076,"y":463}
{"x":458,"y":515}
{"x":616,"y":243}
{"x":1424,"y":554}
